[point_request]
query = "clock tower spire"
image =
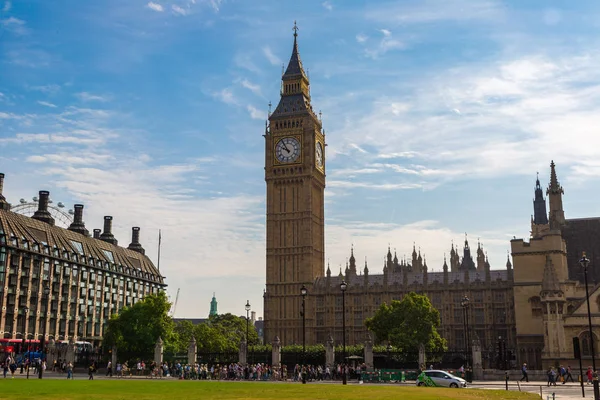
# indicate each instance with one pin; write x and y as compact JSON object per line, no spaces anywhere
{"x":295,"y":178}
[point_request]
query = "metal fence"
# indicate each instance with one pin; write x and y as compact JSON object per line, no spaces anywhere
{"x":217,"y":358}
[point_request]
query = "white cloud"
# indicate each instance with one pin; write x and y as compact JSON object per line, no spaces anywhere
{"x":226,"y":96}
{"x":215,"y":4}
{"x":255,"y":113}
{"x":273,"y":59}
{"x":254,"y":88}
{"x":429,"y":11}
{"x":327,"y":5}
{"x":7,"y":6}
{"x":50,"y":88}
{"x":14,"y":25}
{"x":386,"y":44}
{"x":361,"y":38}
{"x":178,"y":10}
{"x":155,"y":6}
{"x":46,"y":104}
{"x":85,"y":96}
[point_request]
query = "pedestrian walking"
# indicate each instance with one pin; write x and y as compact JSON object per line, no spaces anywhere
{"x":524,"y":372}
{"x":70,"y":371}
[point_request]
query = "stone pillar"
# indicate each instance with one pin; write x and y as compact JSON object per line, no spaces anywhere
{"x":192,"y":351}
{"x":70,"y":356}
{"x":330,"y":353}
{"x":242,"y":353}
{"x":113,"y":359}
{"x":276,"y":353}
{"x":369,"y":352}
{"x":50,"y":353}
{"x":158,"y":352}
{"x":477,"y":365}
{"x":422,"y":364}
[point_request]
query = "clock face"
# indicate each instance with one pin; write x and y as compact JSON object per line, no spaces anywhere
{"x":287,"y":150}
{"x":319,"y":155}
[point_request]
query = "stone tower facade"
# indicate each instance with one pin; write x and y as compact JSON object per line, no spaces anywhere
{"x":295,"y":177}
{"x":549,"y":298}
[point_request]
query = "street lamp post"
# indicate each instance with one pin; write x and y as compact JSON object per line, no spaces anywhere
{"x":343,"y":287}
{"x":585,"y":262}
{"x":25,"y":312}
{"x":464,"y":303}
{"x":303,"y":293}
{"x":43,"y":341}
{"x":389,"y":350}
{"x":248,"y":306}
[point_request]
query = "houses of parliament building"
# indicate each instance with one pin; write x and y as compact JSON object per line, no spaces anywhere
{"x":534,"y":306}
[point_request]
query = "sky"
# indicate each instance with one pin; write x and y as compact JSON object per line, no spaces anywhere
{"x":438,"y":115}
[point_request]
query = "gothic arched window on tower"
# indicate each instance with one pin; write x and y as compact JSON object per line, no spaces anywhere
{"x":584,"y":339}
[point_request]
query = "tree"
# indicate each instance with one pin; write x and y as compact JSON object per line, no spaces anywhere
{"x":136,"y":329}
{"x":233,"y":328}
{"x":408,"y":323}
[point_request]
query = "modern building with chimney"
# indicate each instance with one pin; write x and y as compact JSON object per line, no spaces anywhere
{"x":87,"y":278}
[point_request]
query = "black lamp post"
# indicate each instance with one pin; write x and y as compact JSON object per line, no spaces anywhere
{"x":389,"y":350}
{"x":343,"y":287}
{"x":248,"y":306}
{"x":303,"y":293}
{"x":25,"y":310}
{"x":464,"y":303}
{"x":585,"y":262}
{"x":43,"y":341}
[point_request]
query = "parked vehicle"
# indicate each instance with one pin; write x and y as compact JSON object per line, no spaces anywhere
{"x":440,"y":379}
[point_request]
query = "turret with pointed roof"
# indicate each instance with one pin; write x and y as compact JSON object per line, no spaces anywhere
{"x":554,"y":193}
{"x":540,"y":217}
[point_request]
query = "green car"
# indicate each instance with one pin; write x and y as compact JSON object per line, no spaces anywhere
{"x":439,"y":378}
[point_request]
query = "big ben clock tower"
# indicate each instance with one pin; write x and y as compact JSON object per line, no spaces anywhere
{"x":295,"y":177}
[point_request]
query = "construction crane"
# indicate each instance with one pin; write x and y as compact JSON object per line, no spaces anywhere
{"x":172,"y":313}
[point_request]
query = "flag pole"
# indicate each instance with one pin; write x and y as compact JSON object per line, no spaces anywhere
{"x":159,"y":240}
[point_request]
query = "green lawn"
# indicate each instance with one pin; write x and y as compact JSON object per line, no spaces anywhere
{"x":144,"y":389}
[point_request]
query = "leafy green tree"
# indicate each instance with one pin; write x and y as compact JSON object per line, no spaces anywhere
{"x":233,"y":328}
{"x":408,"y":323}
{"x":136,"y":329}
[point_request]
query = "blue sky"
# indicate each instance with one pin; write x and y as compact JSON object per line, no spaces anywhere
{"x":438,"y":115}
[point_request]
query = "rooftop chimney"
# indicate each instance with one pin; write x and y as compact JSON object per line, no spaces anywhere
{"x":107,"y":235}
{"x":3,"y":204}
{"x":42,"y":214}
{"x":78,"y":225}
{"x":97,"y":233}
{"x":135,"y":241}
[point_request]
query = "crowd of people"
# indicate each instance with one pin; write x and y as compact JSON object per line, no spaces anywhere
{"x":231,"y":371}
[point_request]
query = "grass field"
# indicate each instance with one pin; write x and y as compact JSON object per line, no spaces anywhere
{"x":164,"y":390}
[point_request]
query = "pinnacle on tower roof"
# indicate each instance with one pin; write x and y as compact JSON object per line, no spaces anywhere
{"x":295,"y":68}
{"x":550,"y":280}
{"x":554,"y":185}
{"x":508,"y":263}
{"x":366,"y":268}
{"x":352,"y":259}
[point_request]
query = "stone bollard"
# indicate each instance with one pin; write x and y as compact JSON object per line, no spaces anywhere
{"x":330,"y":353}
{"x":192,"y":351}
{"x":369,"y":352}
{"x":158,"y":351}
